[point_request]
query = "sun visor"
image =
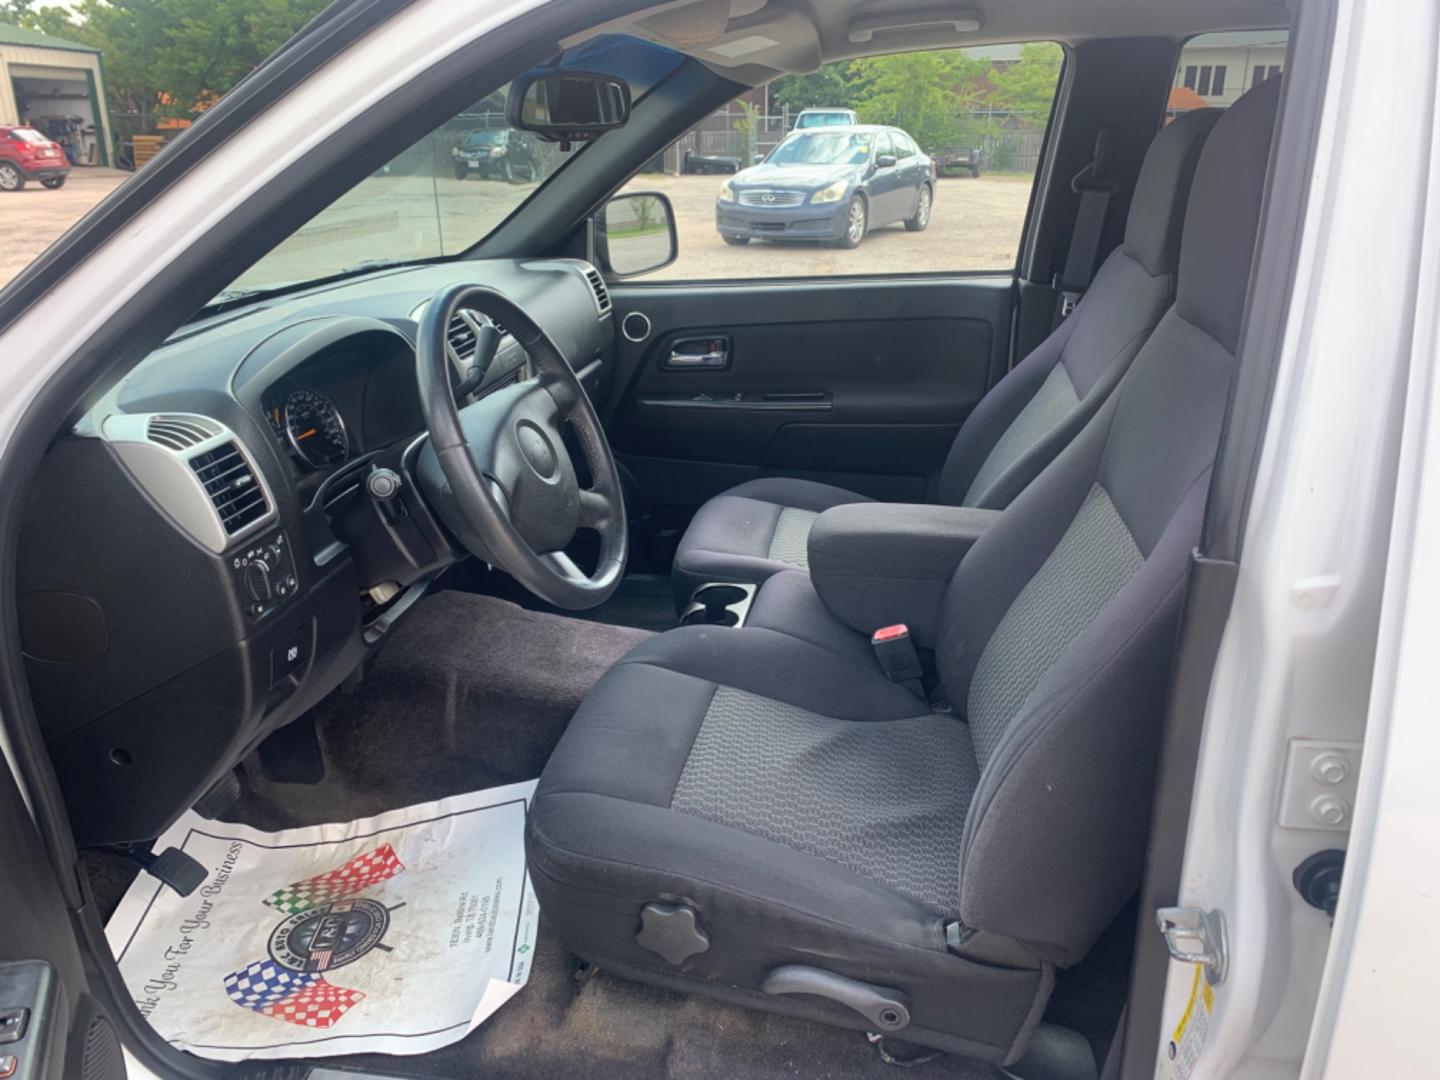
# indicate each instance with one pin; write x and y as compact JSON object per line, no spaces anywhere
{"x":750,"y":41}
{"x":777,"y":38}
{"x":699,"y":23}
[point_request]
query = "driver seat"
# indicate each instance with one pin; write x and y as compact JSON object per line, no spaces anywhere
{"x":746,"y":814}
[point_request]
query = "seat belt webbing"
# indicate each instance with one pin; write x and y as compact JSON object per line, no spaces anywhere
{"x":1095,"y":185}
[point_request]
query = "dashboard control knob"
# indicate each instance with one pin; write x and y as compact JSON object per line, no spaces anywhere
{"x":257,"y":581}
{"x":383,"y":484}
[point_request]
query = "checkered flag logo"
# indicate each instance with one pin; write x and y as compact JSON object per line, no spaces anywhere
{"x":297,"y":997}
{"x":360,"y":873}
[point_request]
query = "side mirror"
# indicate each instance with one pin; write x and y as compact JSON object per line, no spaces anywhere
{"x":635,"y":234}
{"x":567,"y":106}
{"x":885,"y":161}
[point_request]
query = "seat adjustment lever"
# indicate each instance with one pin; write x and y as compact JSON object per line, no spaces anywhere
{"x":887,"y":1009}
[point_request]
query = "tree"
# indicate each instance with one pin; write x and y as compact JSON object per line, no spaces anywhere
{"x":210,"y":45}
{"x":745,"y":126}
{"x":171,"y":56}
{"x":17,"y":12}
{"x":1027,"y":87}
{"x":828,"y":87}
{"x":923,"y":92}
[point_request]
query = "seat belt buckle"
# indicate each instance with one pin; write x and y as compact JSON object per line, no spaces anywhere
{"x":897,"y":656}
{"x":1069,"y":296}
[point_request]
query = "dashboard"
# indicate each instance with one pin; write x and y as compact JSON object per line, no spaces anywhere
{"x":208,"y":552}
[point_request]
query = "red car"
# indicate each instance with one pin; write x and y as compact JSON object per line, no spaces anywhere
{"x":25,"y":154}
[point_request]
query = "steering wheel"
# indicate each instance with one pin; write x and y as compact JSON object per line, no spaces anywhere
{"x":498,"y":471}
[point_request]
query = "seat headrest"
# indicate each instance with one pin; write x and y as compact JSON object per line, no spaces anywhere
{"x":1223,"y":218}
{"x":1157,"y":212}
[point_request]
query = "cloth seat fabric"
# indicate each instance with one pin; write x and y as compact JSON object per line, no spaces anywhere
{"x":759,"y":528}
{"x":808,"y":807}
{"x":808,"y":811}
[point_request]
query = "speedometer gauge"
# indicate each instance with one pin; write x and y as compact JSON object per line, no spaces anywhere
{"x":315,"y":430}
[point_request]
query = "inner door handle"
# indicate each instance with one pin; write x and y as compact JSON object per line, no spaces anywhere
{"x":709,"y":354}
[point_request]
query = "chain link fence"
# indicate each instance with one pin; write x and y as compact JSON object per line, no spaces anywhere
{"x":734,"y":137}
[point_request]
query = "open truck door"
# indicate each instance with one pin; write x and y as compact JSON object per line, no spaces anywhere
{"x":51,"y":1025}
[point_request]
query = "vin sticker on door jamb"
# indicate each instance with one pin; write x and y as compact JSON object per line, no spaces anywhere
{"x":1187,"y":1041}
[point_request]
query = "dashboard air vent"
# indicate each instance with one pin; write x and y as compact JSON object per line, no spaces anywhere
{"x":597,"y":286}
{"x":179,"y":432}
{"x":461,"y":333}
{"x":231,"y":485}
{"x":461,"y":336}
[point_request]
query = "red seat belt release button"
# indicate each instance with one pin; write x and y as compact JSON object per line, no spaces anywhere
{"x":897,"y":656}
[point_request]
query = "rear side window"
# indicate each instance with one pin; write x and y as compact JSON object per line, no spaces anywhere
{"x":755,"y":198}
{"x":1215,"y":69}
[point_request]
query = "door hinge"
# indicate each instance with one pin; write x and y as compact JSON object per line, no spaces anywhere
{"x":1196,"y":936}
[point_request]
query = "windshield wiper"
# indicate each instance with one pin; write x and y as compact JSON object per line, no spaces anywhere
{"x":372,"y":264}
{"x":226,"y":296}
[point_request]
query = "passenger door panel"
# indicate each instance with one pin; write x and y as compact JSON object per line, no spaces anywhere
{"x":858,"y":383}
{"x":49,"y":1022}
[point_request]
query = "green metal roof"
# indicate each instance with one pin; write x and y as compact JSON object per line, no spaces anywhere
{"x":19,"y":35}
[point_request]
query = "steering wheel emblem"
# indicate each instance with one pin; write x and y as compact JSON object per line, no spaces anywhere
{"x":537,"y":450}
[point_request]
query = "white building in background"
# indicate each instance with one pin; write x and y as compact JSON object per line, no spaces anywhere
{"x":53,"y":84}
{"x":1221,"y":67}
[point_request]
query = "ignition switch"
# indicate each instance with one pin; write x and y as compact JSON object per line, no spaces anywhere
{"x":384,"y":487}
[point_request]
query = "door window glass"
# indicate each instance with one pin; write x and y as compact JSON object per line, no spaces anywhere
{"x":758,"y":196}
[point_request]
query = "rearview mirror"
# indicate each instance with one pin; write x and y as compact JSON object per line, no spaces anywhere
{"x":567,"y":106}
{"x":635,"y":233}
{"x":885,"y":161}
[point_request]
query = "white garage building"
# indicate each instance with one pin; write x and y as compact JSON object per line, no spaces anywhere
{"x":57,"y":86}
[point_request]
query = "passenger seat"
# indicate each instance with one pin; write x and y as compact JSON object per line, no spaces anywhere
{"x":762,"y":527}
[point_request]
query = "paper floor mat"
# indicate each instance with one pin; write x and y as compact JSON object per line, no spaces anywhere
{"x":395,"y":934}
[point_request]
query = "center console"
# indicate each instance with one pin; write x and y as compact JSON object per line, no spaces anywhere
{"x":878,"y":564}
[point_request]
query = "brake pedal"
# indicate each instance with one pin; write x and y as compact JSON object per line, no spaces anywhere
{"x":183,"y":873}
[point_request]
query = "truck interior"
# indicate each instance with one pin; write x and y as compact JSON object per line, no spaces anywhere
{"x":532,"y":529}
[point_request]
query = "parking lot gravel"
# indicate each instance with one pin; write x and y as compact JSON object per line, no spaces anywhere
{"x":34,"y":218}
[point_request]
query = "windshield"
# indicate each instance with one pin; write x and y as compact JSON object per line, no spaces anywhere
{"x":436,"y":197}
{"x":824,"y":148}
{"x":828,"y":119}
{"x":27,"y":135}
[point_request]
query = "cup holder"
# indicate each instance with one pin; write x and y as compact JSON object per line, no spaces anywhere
{"x":718,"y":604}
{"x":722,"y":596}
